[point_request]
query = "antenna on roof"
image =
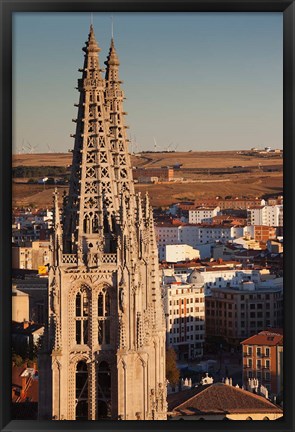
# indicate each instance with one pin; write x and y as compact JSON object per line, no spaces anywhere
{"x":91,"y":18}
{"x":112,"y":18}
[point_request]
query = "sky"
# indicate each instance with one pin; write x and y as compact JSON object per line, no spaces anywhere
{"x":192,"y":81}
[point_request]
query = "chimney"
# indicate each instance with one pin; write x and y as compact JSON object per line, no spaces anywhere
{"x":25,"y":324}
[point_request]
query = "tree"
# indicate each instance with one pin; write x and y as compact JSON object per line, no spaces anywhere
{"x":17,"y":360}
{"x":172,"y":373}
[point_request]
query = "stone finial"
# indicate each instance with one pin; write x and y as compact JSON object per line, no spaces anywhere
{"x":112,"y":59}
{"x":91,"y":44}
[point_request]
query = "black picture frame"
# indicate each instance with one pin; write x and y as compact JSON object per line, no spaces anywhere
{"x":8,"y":7}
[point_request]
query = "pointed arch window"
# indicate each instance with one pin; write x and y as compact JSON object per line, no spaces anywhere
{"x":103,"y":317}
{"x":86,"y":224}
{"x":81,"y":316}
{"x":95,"y":224}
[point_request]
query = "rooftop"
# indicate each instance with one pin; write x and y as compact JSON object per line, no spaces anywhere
{"x":269,"y":337}
{"x":219,"y":398}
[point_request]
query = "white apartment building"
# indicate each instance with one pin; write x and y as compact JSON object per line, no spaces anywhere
{"x":43,"y":219}
{"x":266,"y":215}
{"x":184,"y":306}
{"x":196,"y":236}
{"x":202,"y":214}
{"x":224,"y":277}
{"x":180,"y":252}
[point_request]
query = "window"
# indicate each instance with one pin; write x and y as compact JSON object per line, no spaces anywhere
{"x":267,"y":376}
{"x":103,"y":317}
{"x":81,"y":391}
{"x":81,"y":316}
{"x":267,"y":352}
{"x":104,"y":390}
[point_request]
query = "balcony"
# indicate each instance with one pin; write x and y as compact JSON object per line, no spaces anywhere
{"x":69,"y":259}
{"x":258,"y":367}
{"x":94,"y":260}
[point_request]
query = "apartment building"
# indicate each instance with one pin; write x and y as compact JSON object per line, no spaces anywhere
{"x":184,"y":307}
{"x":263,"y":359}
{"x":180,"y":252}
{"x":31,"y":257}
{"x":200,"y":237}
{"x":266,"y":215}
{"x":202,"y":215}
{"x":233,"y":314}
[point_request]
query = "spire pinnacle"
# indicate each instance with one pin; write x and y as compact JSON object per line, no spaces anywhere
{"x":112,"y":59}
{"x":91,"y":44}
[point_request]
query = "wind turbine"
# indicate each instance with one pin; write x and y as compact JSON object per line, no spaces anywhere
{"x":31,"y":148}
{"x":50,"y":150}
{"x":155,"y":145}
{"x":23,"y":146}
{"x":21,"y":149}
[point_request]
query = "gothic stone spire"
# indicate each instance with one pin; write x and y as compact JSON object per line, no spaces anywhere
{"x":93,"y":197}
{"x":119,"y":142}
{"x":105,"y":316}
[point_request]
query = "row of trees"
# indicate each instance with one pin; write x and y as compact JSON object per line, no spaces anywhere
{"x":38,"y":171}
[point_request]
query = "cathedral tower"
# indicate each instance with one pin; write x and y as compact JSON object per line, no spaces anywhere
{"x":103,"y":355}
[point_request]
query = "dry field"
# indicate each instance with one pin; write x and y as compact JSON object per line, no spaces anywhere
{"x":222,"y":159}
{"x":258,"y":182}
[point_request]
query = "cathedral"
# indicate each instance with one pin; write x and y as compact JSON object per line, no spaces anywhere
{"x":103,"y":352}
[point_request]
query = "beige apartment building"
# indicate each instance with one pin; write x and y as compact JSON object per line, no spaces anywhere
{"x":234,"y":314}
{"x":31,"y":257}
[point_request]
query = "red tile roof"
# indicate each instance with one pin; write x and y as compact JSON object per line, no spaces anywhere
{"x":219,"y":398}
{"x":269,"y":337}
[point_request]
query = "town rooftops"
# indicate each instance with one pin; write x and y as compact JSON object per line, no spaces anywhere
{"x":219,"y":398}
{"x":26,"y":327}
{"x":268,"y":337}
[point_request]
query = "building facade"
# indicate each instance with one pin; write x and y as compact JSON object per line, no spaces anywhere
{"x":266,"y":215}
{"x":200,"y":237}
{"x":184,"y":306}
{"x":232,"y":314}
{"x":31,"y":257}
{"x":180,"y":252}
{"x":202,"y":215}
{"x":104,"y":348}
{"x":263,"y":359}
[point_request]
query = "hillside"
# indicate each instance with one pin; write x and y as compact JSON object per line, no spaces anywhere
{"x":203,"y":173}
